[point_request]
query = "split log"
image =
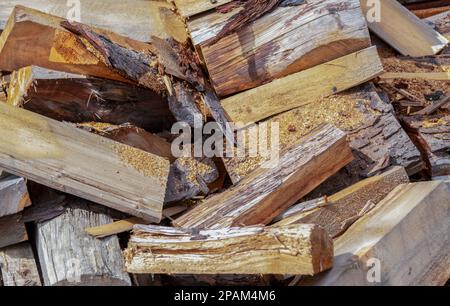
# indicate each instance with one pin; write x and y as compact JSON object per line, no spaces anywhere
{"x":137,"y":19}
{"x":346,"y":207}
{"x":404,"y":241}
{"x":265,"y":193}
{"x":13,"y":195}
{"x":69,"y":256}
{"x":78,"y":98}
{"x":12,"y":230}
{"x":283,"y":41}
{"x":296,"y":249}
{"x":401,"y":29}
{"x":303,"y":87}
{"x":34,"y":38}
{"x":18,"y":266}
{"x":376,"y":137}
{"x":432,"y":136}
{"x":65,"y":158}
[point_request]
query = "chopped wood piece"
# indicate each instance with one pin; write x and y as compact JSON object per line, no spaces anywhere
{"x":265,"y":193}
{"x":284,"y":41}
{"x":434,"y":107}
{"x":431,"y":135}
{"x":297,"y":249}
{"x":404,"y":241}
{"x":69,"y":256}
{"x":347,"y":204}
{"x":18,"y":266}
{"x":303,"y":87}
{"x":137,"y":19}
{"x":13,"y":195}
{"x":12,"y":230}
{"x":188,"y":8}
{"x":402,"y":30}
{"x":34,"y":38}
{"x":114,"y":228}
{"x":65,"y":158}
{"x":77,"y":98}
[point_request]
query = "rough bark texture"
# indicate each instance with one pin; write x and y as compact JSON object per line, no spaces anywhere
{"x":69,"y":256}
{"x":297,"y":249}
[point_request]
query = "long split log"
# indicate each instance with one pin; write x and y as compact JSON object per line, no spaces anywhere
{"x":265,"y":193}
{"x":69,"y":256}
{"x":404,"y":241}
{"x":65,"y":158}
{"x":303,"y":87}
{"x":297,"y":249}
{"x":283,"y":41}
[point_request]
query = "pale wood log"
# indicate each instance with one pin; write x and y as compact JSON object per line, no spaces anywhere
{"x":348,"y":205}
{"x":408,"y":232}
{"x":265,"y":193}
{"x":137,"y":19}
{"x":78,"y":98}
{"x":14,"y":195}
{"x":303,"y":87}
{"x":283,"y":41}
{"x":18,"y":266}
{"x":402,"y":30}
{"x":297,"y":249}
{"x":12,"y":230}
{"x":69,"y":256}
{"x":65,"y":158}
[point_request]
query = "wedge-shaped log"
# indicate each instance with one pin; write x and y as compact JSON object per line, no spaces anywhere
{"x":69,"y":256}
{"x":14,"y":195}
{"x":281,"y":42}
{"x":401,"y":29}
{"x":405,"y":240}
{"x":65,"y":158}
{"x":303,"y":87}
{"x":345,"y":207}
{"x":18,"y":266}
{"x":265,"y":193}
{"x":296,"y":249}
{"x":78,"y":98}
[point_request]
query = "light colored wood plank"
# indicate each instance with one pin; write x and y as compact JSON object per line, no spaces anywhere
{"x":408,"y":232}
{"x":345,"y":207}
{"x":18,"y":266}
{"x":286,"y":40}
{"x":404,"y":31}
{"x":70,"y":257}
{"x":265,"y":193}
{"x":297,"y":249}
{"x":303,"y":87}
{"x":65,"y":158}
{"x":114,"y":228}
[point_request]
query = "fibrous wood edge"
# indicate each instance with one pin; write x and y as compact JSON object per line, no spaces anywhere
{"x":70,"y":257}
{"x":297,"y":249}
{"x":265,"y":193}
{"x":406,"y":237}
{"x":283,"y":41}
{"x":402,"y":30}
{"x":303,"y":87}
{"x":14,"y":195}
{"x":348,"y":205}
{"x":65,"y":158}
{"x":18,"y":266}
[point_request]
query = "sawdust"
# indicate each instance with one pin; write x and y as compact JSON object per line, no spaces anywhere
{"x":145,"y":163}
{"x":194,"y":168}
{"x":434,"y":122}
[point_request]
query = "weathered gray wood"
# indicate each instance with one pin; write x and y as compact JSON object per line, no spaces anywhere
{"x":69,"y":256}
{"x":405,"y":240}
{"x":18,"y":266}
{"x":12,"y":230}
{"x":13,"y":195}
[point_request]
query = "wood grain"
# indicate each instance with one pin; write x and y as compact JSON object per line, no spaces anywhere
{"x":18,"y":266}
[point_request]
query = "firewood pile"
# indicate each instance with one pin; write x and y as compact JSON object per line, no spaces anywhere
{"x":227,"y":142}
